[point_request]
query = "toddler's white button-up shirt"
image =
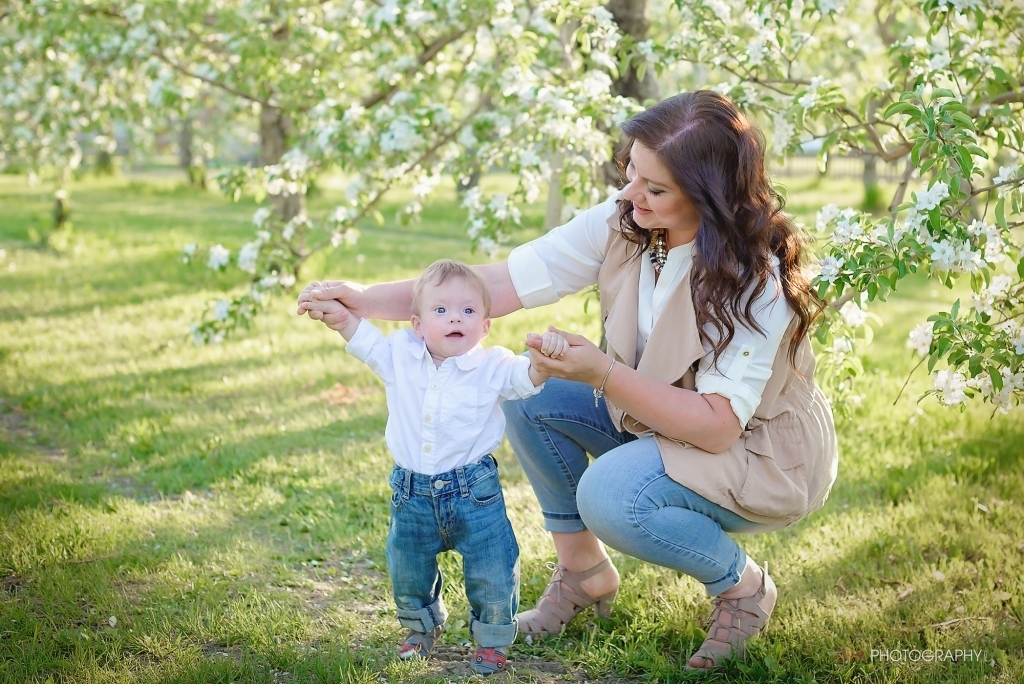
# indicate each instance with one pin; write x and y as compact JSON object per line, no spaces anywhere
{"x":443,"y":417}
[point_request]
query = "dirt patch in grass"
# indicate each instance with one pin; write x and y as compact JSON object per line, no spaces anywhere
{"x":15,"y":429}
{"x":13,"y":584}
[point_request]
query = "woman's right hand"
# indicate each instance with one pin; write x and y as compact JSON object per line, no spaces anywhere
{"x":315,"y":298}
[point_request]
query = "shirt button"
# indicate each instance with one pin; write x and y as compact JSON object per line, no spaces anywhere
{"x":426,"y":448}
{"x":426,"y":418}
{"x":434,"y":386}
{"x":746,"y":353}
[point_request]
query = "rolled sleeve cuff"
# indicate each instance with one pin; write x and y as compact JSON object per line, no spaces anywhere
{"x":743,"y":400}
{"x":530,"y":277}
{"x":522,"y":385}
{"x":362,"y":341}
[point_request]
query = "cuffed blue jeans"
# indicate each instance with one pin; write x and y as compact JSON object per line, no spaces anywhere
{"x":624,"y":497}
{"x":462,"y":509}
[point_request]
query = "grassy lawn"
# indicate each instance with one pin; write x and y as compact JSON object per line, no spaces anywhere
{"x":217,"y":514}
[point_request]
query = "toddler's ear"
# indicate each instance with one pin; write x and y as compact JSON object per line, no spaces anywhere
{"x":416,"y":325}
{"x":487,"y":326}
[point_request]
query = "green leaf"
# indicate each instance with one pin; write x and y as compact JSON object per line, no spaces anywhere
{"x":942,"y":92}
{"x":955,"y":310}
{"x":963,"y":120}
{"x":902,"y":108}
{"x":1001,"y":213}
{"x":997,"y":379}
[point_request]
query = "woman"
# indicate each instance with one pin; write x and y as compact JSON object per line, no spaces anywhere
{"x":703,"y":415}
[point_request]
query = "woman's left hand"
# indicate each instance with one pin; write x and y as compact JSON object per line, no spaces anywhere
{"x":583,"y":362}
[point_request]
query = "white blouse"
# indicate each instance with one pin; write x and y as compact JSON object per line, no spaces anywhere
{"x":568,"y":258}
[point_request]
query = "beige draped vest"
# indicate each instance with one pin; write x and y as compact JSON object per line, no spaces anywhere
{"x":783,"y":465}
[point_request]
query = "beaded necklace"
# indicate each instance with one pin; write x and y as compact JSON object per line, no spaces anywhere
{"x":658,"y":251}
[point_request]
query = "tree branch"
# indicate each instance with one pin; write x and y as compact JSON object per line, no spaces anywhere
{"x":428,"y":54}
{"x":447,"y":138}
{"x":212,"y":81}
{"x":886,"y":155}
{"x":901,"y":189}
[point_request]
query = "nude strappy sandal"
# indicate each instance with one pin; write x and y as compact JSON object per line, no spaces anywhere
{"x":563,"y":600}
{"x":733,"y":621}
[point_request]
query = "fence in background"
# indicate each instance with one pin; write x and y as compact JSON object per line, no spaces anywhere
{"x":838,"y":167}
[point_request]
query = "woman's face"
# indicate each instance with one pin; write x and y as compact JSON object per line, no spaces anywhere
{"x":658,"y":203}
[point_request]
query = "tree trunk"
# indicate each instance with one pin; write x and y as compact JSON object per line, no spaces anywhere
{"x":553,"y":212}
{"x":275,"y":127}
{"x":631,"y":18}
{"x":185,"y":144}
{"x":194,"y":168}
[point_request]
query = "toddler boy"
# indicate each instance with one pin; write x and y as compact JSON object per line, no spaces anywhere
{"x":443,"y":391}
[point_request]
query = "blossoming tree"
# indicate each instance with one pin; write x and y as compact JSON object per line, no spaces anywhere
{"x":403,"y":91}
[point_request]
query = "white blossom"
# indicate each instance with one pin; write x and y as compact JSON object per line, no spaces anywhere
{"x":808,"y":99}
{"x":853,"y":315}
{"x":921,"y":339}
{"x":951,"y":386}
{"x":221,"y":310}
{"x":134,"y":13}
{"x":842,"y":345}
{"x":825,"y":216}
{"x":1006,"y":173}
{"x":930,"y":198}
{"x":260,"y":216}
{"x":248,"y":256}
{"x":984,"y":301}
{"x":938,"y":62}
{"x":782,"y":133}
{"x":219,"y":257}
{"x":848,"y":228}
{"x":401,"y":135}
{"x":830,"y":268}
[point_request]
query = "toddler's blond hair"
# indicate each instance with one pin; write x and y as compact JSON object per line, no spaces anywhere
{"x":443,"y":270}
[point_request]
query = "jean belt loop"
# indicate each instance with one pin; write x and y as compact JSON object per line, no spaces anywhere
{"x":460,"y":475}
{"x":407,"y":485}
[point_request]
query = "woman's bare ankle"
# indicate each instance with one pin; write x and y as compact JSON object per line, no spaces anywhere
{"x":749,"y":584}
{"x":603,"y":583}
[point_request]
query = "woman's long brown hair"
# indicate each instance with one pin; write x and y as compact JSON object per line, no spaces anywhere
{"x":716,"y":157}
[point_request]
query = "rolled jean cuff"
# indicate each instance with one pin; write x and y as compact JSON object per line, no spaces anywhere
{"x":564,"y":523}
{"x":424,"y":619}
{"x":731,"y":578}
{"x":487,"y":635}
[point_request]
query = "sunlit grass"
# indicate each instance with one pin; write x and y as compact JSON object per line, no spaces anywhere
{"x":226,"y":505}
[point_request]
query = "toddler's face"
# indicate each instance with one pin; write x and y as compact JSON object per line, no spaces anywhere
{"x":451,"y":318}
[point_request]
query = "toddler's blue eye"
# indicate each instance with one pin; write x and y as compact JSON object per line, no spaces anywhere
{"x":468,"y":311}
{"x":441,"y":310}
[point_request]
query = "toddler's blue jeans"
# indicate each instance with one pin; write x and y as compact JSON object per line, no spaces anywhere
{"x":624,"y":497}
{"x":462,"y":509}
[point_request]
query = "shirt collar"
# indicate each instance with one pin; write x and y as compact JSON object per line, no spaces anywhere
{"x":468,"y":361}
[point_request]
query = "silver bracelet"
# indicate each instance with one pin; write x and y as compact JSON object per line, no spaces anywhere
{"x":599,"y":391}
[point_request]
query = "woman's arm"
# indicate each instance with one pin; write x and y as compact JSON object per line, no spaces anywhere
{"x":393,"y":301}
{"x":705,"y":420}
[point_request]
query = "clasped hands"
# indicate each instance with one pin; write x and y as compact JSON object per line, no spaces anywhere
{"x":557,"y":353}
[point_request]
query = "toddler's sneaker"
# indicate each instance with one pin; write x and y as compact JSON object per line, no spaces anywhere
{"x":488,"y":661}
{"x":418,"y":644}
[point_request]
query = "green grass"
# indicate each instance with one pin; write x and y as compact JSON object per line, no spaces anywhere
{"x":227,"y":504}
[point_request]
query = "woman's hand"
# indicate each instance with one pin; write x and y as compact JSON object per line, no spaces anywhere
{"x":582,"y":362}
{"x":317,"y":301}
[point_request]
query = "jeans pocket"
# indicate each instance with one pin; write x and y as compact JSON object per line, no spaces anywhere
{"x":486,"y":491}
{"x":397,"y":498}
